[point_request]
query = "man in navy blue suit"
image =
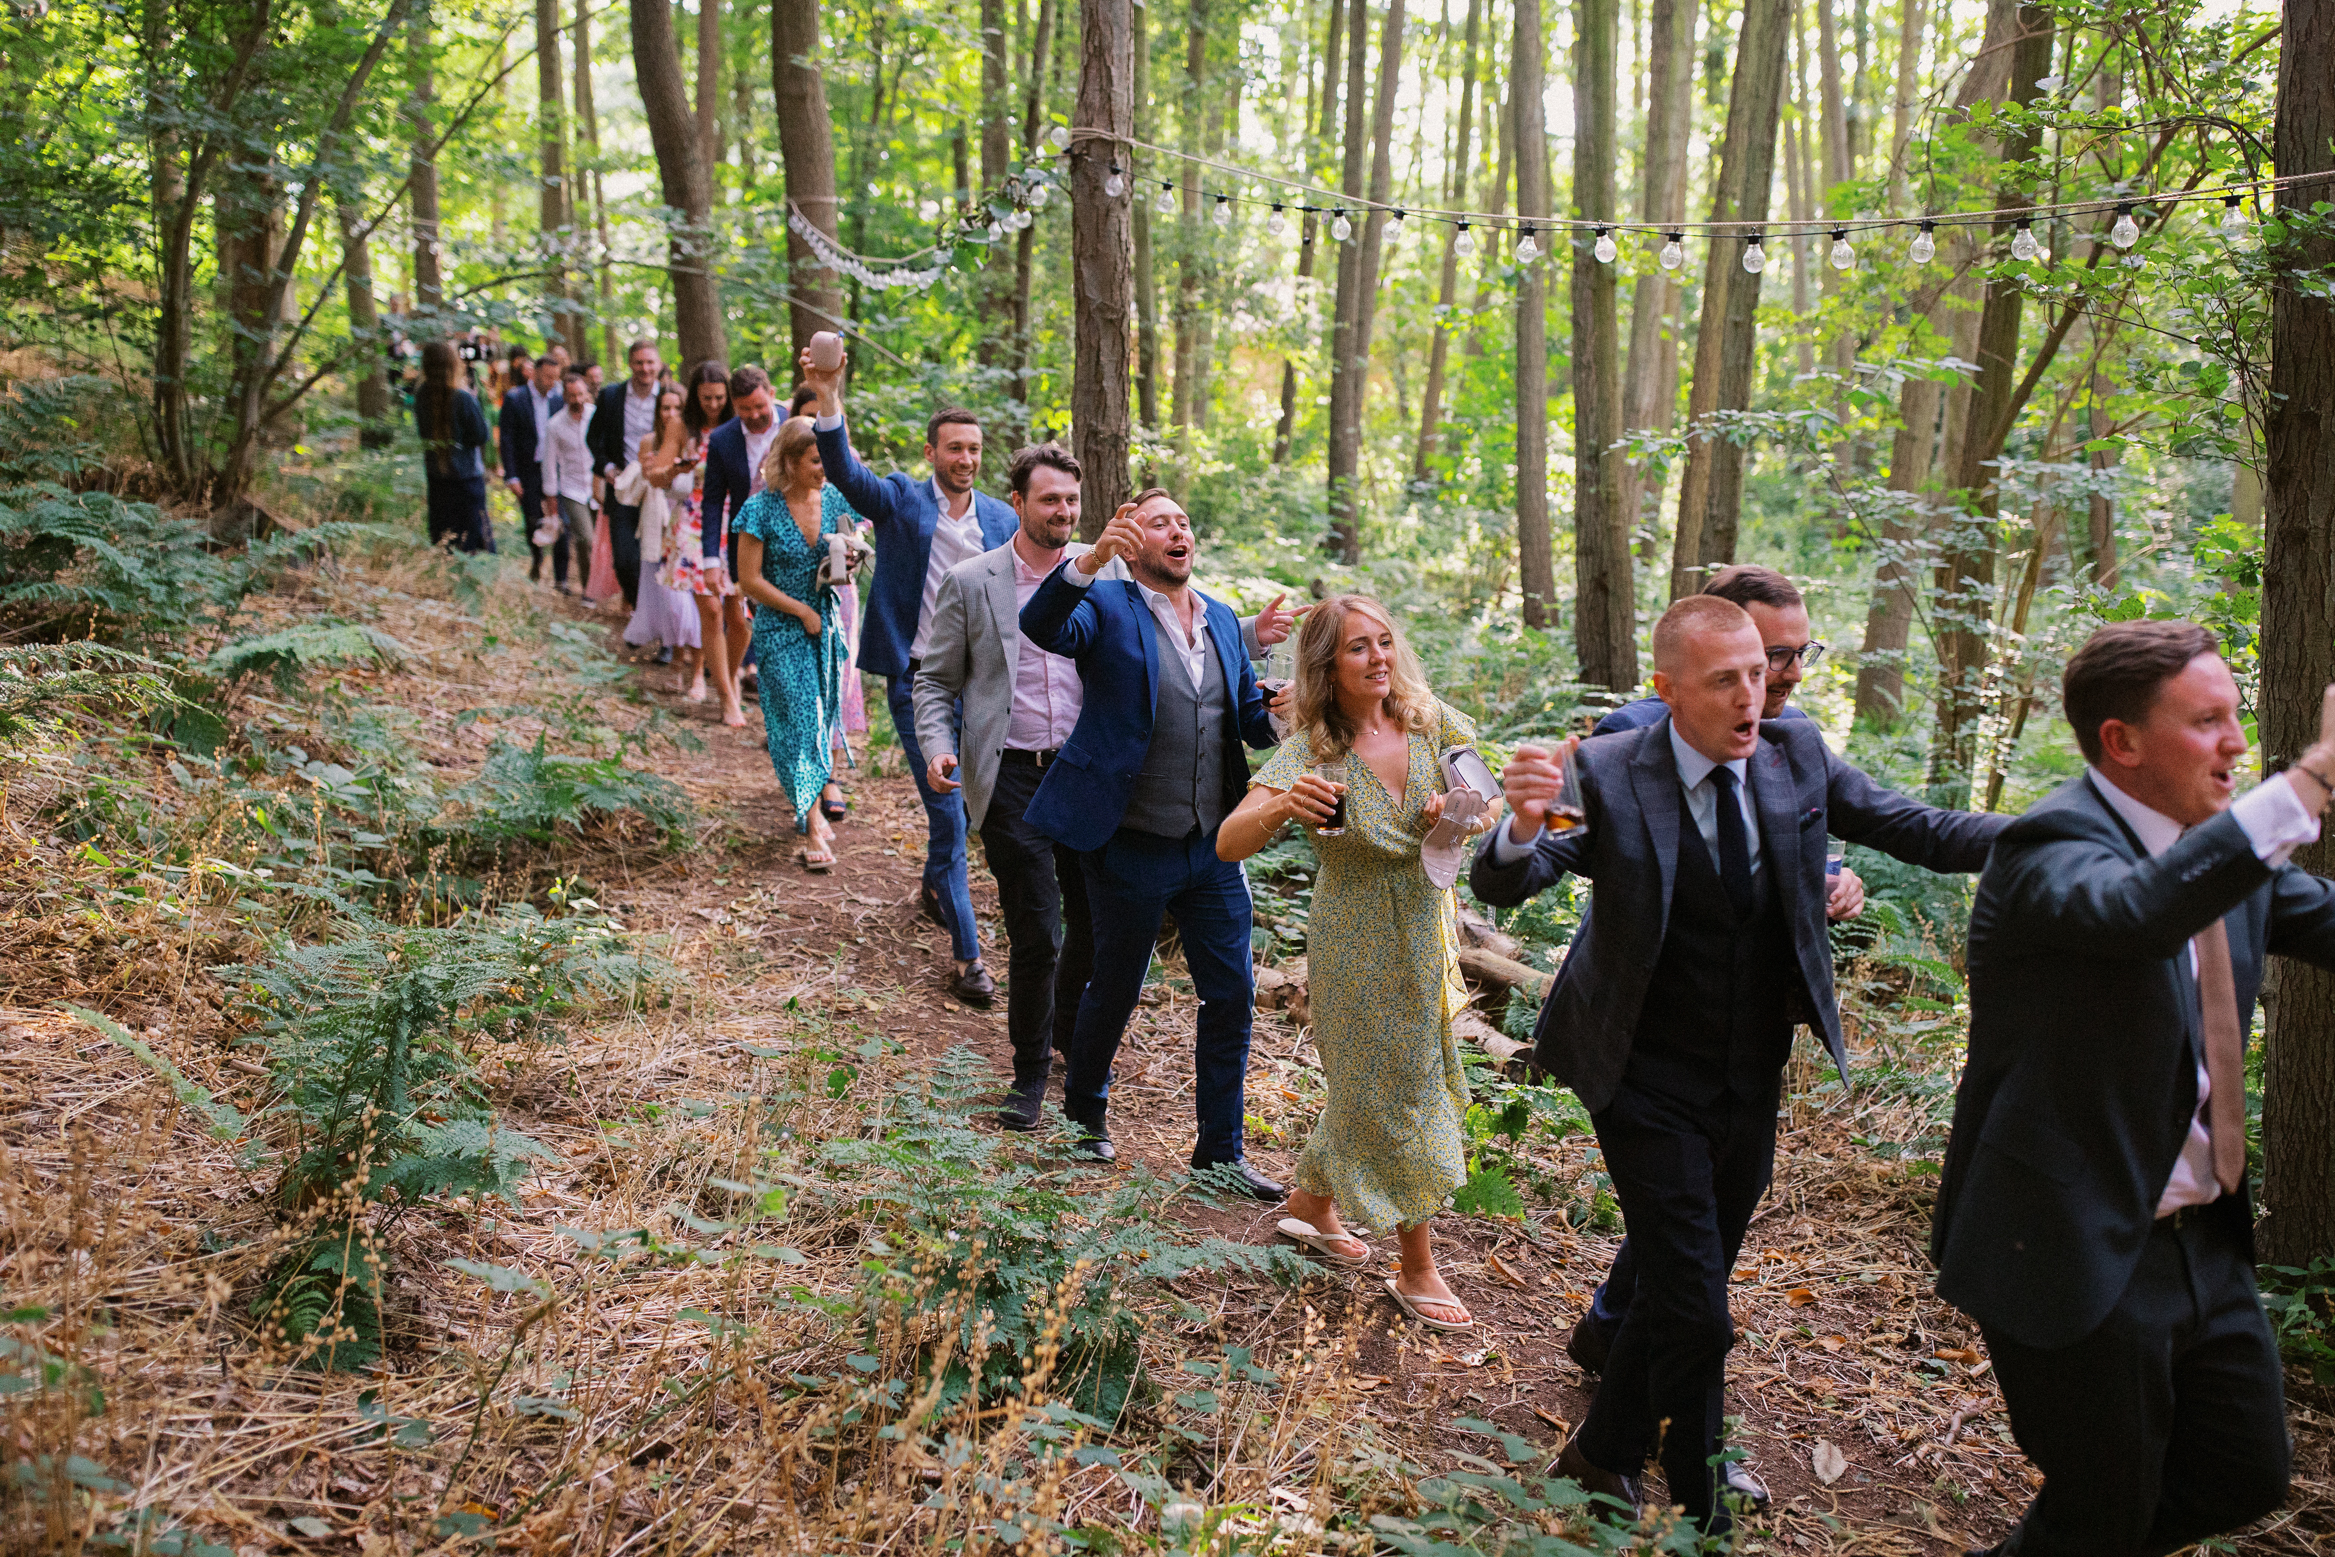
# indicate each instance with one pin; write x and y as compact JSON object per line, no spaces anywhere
{"x":1152,"y":768}
{"x":526,"y":413}
{"x":923,"y":529}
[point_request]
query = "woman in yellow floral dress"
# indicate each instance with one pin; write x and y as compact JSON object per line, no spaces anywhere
{"x":1381,"y":950}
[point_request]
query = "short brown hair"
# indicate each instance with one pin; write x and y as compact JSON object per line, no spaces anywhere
{"x":643,"y":343}
{"x":948,"y":416}
{"x":1148,"y":493}
{"x":744,"y":381}
{"x":1749,"y":584}
{"x":1028,"y":461}
{"x":800,"y":399}
{"x":2119,"y":671}
{"x":1693,"y":614}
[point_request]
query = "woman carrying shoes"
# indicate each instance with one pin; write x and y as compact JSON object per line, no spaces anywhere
{"x":782,"y":539}
{"x":1381,"y":945}
{"x":721,"y":609}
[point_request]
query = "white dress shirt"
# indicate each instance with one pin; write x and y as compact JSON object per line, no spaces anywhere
{"x":567,"y":459}
{"x":2276,"y":823}
{"x":757,"y":447}
{"x":1047,"y":693}
{"x":1192,"y":649}
{"x":1702,"y":803}
{"x":640,"y":412}
{"x":954,"y":540}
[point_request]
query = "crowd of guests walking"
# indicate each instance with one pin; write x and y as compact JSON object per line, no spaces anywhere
{"x":1090,"y":711}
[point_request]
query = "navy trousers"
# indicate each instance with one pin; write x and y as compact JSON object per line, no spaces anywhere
{"x":944,"y":824}
{"x":1130,"y":882}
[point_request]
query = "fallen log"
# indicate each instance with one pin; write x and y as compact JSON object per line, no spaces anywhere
{"x":1481,"y":966}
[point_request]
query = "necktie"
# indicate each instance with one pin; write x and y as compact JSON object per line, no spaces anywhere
{"x":2225,"y":1055}
{"x":1734,"y":848}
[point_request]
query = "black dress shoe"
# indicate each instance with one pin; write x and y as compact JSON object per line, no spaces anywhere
{"x":1573,"y":1465}
{"x":1252,"y":1182}
{"x":974,"y":986}
{"x":1589,"y":1344}
{"x":1023,"y":1105}
{"x":1095,"y":1144}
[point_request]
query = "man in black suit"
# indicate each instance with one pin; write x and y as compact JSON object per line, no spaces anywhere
{"x":1673,"y":1014}
{"x":2093,"y":1216}
{"x":621,"y":418}
{"x":519,"y":428}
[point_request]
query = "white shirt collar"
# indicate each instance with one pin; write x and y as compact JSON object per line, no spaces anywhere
{"x":941,"y":502}
{"x":1694,"y":767}
{"x":2157,"y":832}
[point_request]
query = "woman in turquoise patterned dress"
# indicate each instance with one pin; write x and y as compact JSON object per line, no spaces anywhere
{"x":798,"y":641}
{"x":1382,"y":953}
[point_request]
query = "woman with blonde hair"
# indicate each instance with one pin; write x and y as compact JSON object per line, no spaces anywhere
{"x":798,"y":641}
{"x":1363,"y":751}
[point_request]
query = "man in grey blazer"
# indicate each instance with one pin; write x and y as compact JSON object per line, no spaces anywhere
{"x":2093,"y":1215}
{"x":1673,"y":1013}
{"x":1019,"y":704}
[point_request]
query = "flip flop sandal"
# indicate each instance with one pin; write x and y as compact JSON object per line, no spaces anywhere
{"x":1411,"y":1306}
{"x":1323,"y":1244}
{"x":815,"y":865}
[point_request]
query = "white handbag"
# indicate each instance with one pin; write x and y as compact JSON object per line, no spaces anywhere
{"x":1469,"y":791}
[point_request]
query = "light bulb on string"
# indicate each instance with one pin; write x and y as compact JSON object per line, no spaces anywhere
{"x":1116,"y":184}
{"x":1924,"y":247}
{"x":1059,"y":137}
{"x":1527,"y":248}
{"x":1040,"y":192}
{"x":1605,"y":250}
{"x":1394,"y":226}
{"x":1276,"y":224}
{"x":2023,"y":244}
{"x":2126,"y":232}
{"x":1754,"y":256}
{"x":1165,"y":205}
{"x":1223,"y":211}
{"x":1843,"y":256}
{"x":1673,"y":252}
{"x":1022,"y":220}
{"x":2233,"y":218}
{"x":1340,"y":228}
{"x":996,"y":231}
{"x":1463,"y":243}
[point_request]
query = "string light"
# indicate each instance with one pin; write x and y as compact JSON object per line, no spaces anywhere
{"x":2023,"y":246}
{"x":1276,"y":225}
{"x":1527,"y":250}
{"x":1754,"y":257}
{"x":1463,"y":243}
{"x":1605,"y":250}
{"x":1116,"y":184}
{"x":1165,"y":205}
{"x":1394,"y":224}
{"x":2233,"y":217}
{"x":1223,"y":212}
{"x":1673,"y":252}
{"x":1924,"y":247}
{"x":1059,"y":137}
{"x":1039,"y":192}
{"x":1843,"y":256}
{"x":2126,"y":232}
{"x":1022,"y":219}
{"x":1340,"y":228}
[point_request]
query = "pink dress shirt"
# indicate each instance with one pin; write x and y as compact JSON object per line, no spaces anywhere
{"x":1047,"y":693}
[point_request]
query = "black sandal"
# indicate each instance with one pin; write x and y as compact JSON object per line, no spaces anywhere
{"x":836,"y":809}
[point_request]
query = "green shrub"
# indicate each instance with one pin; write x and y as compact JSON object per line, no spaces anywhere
{"x":527,"y":794}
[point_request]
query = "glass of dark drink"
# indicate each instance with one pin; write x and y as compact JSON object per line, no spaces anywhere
{"x":1566,"y":812}
{"x":1333,"y":773}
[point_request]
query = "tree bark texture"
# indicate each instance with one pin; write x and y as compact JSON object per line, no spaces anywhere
{"x":684,"y":179}
{"x":1344,"y":507}
{"x":588,"y":151}
{"x":1025,"y":248}
{"x":1309,"y":228}
{"x":1191,"y":239}
{"x":1909,"y":53}
{"x":1536,"y":561}
{"x":1139,"y":222}
{"x":1605,"y":620}
{"x":709,"y":86}
{"x":2298,"y":643}
{"x":1099,"y":245}
{"x":806,"y":145}
{"x":1447,"y":284}
{"x":996,"y":156}
{"x":422,"y":187}
{"x":1889,"y":616}
{"x":555,"y":208}
{"x":1710,"y":497}
{"x":1650,"y":388}
{"x":1346,"y":429}
{"x":364,"y":327}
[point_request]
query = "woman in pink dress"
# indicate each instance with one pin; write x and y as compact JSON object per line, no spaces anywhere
{"x":666,"y":615}
{"x":721,"y":610}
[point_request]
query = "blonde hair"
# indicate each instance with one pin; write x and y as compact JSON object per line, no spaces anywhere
{"x":1326,"y":727}
{"x":796,"y":436}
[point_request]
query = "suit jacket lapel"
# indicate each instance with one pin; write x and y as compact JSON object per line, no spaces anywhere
{"x":1147,"y":633}
{"x":1654,"y":779}
{"x":1002,"y":607}
{"x":1775,"y":800}
{"x":1224,"y":635}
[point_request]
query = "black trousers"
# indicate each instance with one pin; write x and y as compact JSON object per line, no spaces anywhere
{"x":1050,"y":935}
{"x":1688,"y":1176}
{"x":2168,"y":1423}
{"x":624,"y":544}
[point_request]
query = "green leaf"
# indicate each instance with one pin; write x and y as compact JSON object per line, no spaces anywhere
{"x":502,"y":1278}
{"x":1488,"y":1192}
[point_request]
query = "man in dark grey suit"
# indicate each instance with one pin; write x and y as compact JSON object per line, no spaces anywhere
{"x":2093,"y":1217}
{"x":1673,"y":1014}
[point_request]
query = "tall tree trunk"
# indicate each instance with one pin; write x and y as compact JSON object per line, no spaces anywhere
{"x":2102,"y":518}
{"x":1285,"y":431}
{"x":1649,"y":392}
{"x":1025,"y":248}
{"x":1836,"y":124}
{"x":1494,"y":255}
{"x":1191,"y":237}
{"x":588,"y":167}
{"x":709,"y":86}
{"x":555,"y":214}
{"x":1535,"y":560}
{"x":2298,"y":641}
{"x":1605,"y":598}
{"x":1447,"y":285}
{"x":364,"y":328}
{"x":174,"y":251}
{"x":1347,"y":298}
{"x":742,"y":117}
{"x":1710,"y":496}
{"x":1099,"y":244}
{"x":1350,"y":389}
{"x":996,"y":156}
{"x":806,"y":146}
{"x":1798,"y":176}
{"x":1139,"y":222}
{"x":1901,"y":110}
{"x":682,"y":179}
{"x":1966,"y":574}
{"x":429,"y":284}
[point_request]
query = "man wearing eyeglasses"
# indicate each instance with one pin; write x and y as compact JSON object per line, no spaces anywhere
{"x":1777,"y":609}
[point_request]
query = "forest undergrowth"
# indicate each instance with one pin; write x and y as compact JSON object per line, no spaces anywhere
{"x":437,"y":1117}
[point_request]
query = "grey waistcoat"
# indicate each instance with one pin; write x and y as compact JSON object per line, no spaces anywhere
{"x":1182,"y":783}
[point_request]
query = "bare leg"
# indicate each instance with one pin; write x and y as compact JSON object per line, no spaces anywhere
{"x":822,"y":845}
{"x":710,"y":655}
{"x":736,"y":638}
{"x":1322,"y":1212}
{"x":1421,"y":1282}
{"x":689,"y":672}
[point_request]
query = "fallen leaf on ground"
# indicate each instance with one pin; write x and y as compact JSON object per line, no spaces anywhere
{"x":1799,"y":1297}
{"x":1964,"y":1354}
{"x":1563,"y":1427}
{"x":1368,"y":1381}
{"x":1503,"y":1270}
{"x":1832,"y":1343}
{"x":1828,"y":1462}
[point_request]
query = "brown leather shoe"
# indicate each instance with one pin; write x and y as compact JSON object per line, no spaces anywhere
{"x":1573,"y":1465}
{"x":974,"y":987}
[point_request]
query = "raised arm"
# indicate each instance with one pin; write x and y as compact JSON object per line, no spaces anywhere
{"x":1061,"y":617}
{"x":1511,"y":864}
{"x":1905,"y":828}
